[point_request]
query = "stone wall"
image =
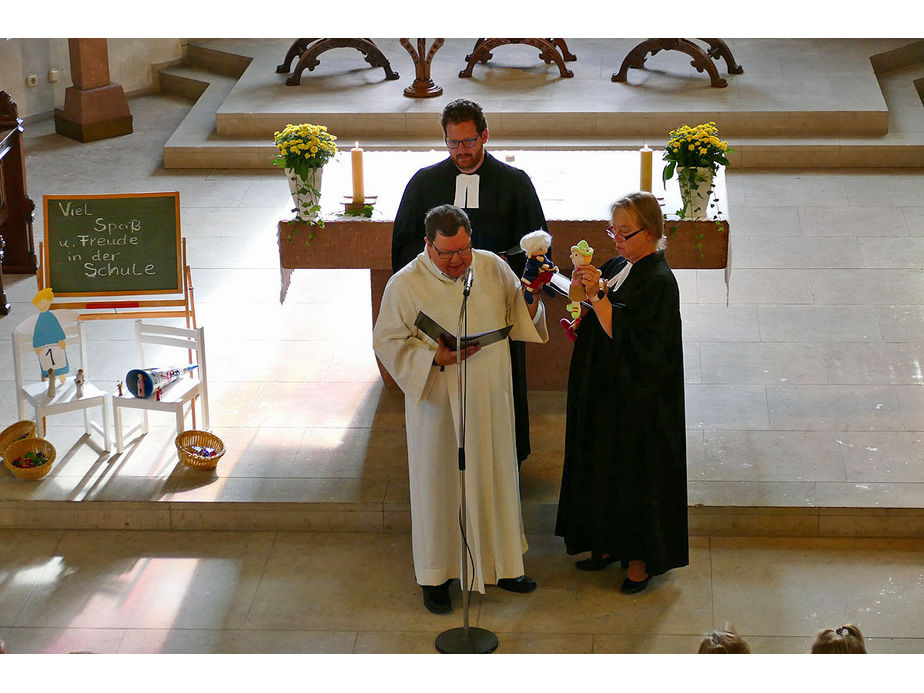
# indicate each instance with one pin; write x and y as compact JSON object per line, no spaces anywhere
{"x":130,"y":62}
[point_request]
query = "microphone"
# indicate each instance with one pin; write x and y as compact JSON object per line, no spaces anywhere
{"x":467,"y":281}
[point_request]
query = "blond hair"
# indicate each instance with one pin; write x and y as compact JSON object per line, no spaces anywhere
{"x":725,"y":641}
{"x":843,"y":640}
{"x":647,"y":210}
{"x":45,"y":294}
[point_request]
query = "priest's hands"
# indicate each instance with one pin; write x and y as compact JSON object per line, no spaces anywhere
{"x":445,"y":356}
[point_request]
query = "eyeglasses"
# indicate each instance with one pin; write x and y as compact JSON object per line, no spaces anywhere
{"x":612,"y":233}
{"x":447,"y":254}
{"x":467,"y":143}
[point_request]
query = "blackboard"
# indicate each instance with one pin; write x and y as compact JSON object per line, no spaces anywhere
{"x":113,"y":245}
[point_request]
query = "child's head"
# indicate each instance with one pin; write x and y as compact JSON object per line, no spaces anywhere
{"x":725,"y":641}
{"x":844,"y":640}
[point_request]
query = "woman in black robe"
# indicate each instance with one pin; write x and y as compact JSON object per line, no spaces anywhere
{"x":624,"y":482}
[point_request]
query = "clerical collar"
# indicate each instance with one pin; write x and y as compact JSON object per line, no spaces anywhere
{"x":616,"y":281}
{"x":467,"y":187}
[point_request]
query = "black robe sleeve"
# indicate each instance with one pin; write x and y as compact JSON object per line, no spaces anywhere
{"x":408,"y":229}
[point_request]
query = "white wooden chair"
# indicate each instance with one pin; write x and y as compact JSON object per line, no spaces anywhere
{"x":65,"y":398}
{"x":175,"y":395}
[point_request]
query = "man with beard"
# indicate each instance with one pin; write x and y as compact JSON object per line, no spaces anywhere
{"x":501,"y":203}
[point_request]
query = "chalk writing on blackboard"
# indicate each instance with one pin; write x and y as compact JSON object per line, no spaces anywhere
{"x":113,"y":244}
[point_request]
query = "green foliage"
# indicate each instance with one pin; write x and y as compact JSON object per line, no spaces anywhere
{"x":698,"y":146}
{"x":366,"y":211}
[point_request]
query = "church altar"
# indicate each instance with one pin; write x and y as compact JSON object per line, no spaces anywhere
{"x":575,"y":189}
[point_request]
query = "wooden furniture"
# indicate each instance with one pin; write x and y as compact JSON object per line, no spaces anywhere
{"x":307,"y":51}
{"x":422,"y":86}
{"x":702,"y":60}
{"x":4,"y":304}
{"x":550,"y":50}
{"x":17,"y":247}
{"x":576,"y":208}
{"x":176,"y":395}
{"x":66,"y":397}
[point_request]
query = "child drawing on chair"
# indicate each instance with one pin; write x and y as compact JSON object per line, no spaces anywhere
{"x":48,"y":338}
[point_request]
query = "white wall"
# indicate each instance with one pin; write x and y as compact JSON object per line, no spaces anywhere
{"x":130,"y":62}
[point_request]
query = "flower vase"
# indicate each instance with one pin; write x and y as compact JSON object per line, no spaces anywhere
{"x":306,"y":194}
{"x":695,"y":190}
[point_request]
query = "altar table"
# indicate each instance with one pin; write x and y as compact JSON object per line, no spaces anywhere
{"x":575,"y":189}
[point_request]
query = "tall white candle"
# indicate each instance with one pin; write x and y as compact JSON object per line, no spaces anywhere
{"x":359,"y":194}
{"x":645,"y":172}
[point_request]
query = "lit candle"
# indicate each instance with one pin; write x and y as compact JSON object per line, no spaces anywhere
{"x":645,"y":174}
{"x":359,"y":194}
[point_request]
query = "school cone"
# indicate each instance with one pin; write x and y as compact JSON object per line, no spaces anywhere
{"x":143,"y":382}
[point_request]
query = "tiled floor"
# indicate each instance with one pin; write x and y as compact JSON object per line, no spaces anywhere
{"x":810,"y":373}
{"x":314,"y":592}
{"x":804,"y":390}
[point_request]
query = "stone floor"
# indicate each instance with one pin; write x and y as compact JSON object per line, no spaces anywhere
{"x":804,"y":391}
{"x":804,"y":394}
{"x":327,"y":592}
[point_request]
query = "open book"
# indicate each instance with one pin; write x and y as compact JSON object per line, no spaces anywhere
{"x":434,"y":331}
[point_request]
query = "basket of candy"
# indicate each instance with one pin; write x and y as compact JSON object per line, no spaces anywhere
{"x":199,"y":449}
{"x":17,"y":431}
{"x":29,"y":458}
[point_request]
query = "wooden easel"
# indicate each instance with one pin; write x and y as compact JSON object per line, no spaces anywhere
{"x":127,"y":309}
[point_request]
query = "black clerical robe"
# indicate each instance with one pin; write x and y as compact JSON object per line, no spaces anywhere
{"x":508,"y":208}
{"x":624,"y":480}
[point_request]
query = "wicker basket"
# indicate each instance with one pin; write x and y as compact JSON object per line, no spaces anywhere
{"x":20,"y":448}
{"x":187,"y":439}
{"x":18,"y":431}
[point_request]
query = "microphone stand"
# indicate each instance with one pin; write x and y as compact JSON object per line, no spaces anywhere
{"x":464,"y":640}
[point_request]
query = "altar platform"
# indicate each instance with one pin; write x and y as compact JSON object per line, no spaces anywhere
{"x":805,"y":404}
{"x":821,"y":102}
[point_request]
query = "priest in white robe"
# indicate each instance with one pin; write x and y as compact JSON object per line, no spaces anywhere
{"x":426,"y":371}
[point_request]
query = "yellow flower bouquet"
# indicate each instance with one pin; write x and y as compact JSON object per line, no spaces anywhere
{"x":303,"y":147}
{"x":698,"y":147}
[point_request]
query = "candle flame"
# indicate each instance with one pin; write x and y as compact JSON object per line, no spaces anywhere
{"x":356,"y":144}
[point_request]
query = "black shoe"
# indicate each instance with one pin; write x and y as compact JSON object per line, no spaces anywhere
{"x":522,"y":584}
{"x":595,"y":563}
{"x":436,"y":598}
{"x":633,"y":587}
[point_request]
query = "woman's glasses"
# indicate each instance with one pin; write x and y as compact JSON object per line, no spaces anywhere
{"x":614,"y":234}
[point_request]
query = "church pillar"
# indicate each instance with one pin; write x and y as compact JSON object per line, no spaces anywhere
{"x":94,"y":108}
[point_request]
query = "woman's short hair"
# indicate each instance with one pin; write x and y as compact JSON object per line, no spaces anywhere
{"x":446,"y":220}
{"x":843,"y":640}
{"x":725,"y":641}
{"x":646,"y":207}
{"x":461,"y":111}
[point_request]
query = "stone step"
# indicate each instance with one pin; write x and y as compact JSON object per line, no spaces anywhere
{"x":187,"y":82}
{"x":213,"y":136}
{"x":898,"y":58}
{"x":538,"y":518}
{"x":217,"y":61}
